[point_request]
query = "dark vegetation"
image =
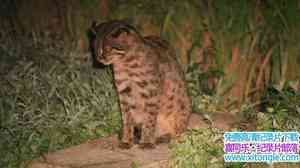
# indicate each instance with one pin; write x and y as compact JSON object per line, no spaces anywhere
{"x":240,"y":57}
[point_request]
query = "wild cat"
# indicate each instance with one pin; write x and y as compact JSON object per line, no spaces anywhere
{"x":150,"y":83}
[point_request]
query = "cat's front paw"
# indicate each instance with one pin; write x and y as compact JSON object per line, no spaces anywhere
{"x":147,"y":145}
{"x":125,"y":145}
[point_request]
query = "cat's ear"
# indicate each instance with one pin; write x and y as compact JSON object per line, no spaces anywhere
{"x":122,"y":30}
{"x":92,"y":29}
{"x":123,"y":27}
{"x":97,"y":27}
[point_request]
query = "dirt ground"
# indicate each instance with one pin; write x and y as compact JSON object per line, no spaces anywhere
{"x":104,"y":153}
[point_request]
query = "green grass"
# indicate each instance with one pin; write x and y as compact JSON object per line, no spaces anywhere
{"x":198,"y":148}
{"x":47,"y":102}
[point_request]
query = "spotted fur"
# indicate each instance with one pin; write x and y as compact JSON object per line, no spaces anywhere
{"x":149,"y":82}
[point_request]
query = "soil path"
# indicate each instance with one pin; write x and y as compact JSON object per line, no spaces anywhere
{"x":104,"y":153}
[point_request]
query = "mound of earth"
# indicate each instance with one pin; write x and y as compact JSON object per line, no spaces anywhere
{"x":104,"y":153}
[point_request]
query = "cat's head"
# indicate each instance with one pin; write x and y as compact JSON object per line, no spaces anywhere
{"x":112,"y":40}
